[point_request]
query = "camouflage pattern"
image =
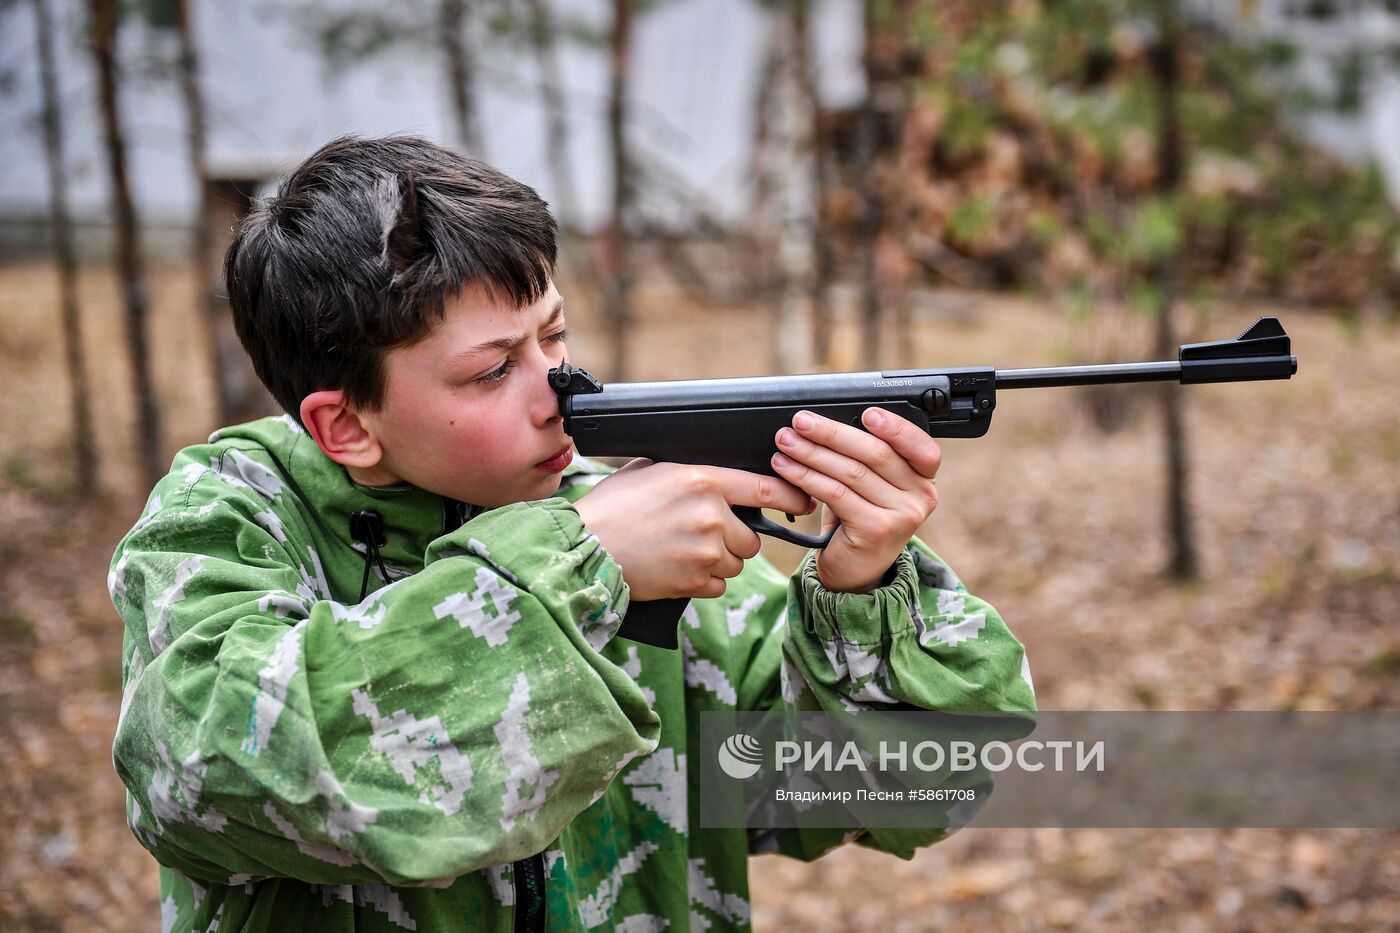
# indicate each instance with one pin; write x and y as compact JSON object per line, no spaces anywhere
{"x":297,"y":758}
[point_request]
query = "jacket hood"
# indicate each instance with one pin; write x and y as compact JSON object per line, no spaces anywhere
{"x":413,"y":516}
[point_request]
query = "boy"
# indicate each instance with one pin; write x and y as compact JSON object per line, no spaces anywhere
{"x":371,"y":680}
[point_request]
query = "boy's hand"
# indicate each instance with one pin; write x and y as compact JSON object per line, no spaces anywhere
{"x":670,"y":527}
{"x":879,"y":484}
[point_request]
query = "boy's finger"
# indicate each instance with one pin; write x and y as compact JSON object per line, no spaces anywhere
{"x":862,"y":477}
{"x":916,"y":448}
{"x":740,"y":487}
{"x":858,"y":445}
{"x":839,"y":498}
{"x":739,"y":539}
{"x":729,"y":565}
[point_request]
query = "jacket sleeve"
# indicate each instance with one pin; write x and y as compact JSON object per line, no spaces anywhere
{"x":920,"y":641}
{"x":455,"y":719}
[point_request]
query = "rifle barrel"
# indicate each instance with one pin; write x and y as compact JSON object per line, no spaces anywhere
{"x":1164,"y":371}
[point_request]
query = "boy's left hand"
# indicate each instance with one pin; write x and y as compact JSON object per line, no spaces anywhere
{"x":880,"y":485}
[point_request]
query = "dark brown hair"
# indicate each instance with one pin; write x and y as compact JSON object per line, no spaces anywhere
{"x":361,"y":248}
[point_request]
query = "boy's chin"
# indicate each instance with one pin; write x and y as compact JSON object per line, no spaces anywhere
{"x":550,"y":486}
{"x":541,"y":487}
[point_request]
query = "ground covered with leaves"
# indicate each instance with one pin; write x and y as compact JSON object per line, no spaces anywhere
{"x":1052,"y":518}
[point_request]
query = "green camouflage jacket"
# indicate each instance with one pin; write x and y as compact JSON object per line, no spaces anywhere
{"x":470,"y":742}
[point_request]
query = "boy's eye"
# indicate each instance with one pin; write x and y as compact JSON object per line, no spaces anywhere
{"x":499,"y":373}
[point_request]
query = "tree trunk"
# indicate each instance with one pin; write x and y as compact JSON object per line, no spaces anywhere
{"x":1165,"y":71}
{"x":867,"y":145}
{"x":574,"y":263}
{"x":758,"y":260}
{"x":460,"y":75}
{"x":617,"y":296}
{"x":904,"y":163}
{"x":84,"y":456}
{"x":227,"y":201}
{"x":129,"y":264}
{"x":877,"y":129}
{"x":214,"y":311}
{"x":823,"y":322}
{"x":785,"y":212}
{"x":542,"y":36}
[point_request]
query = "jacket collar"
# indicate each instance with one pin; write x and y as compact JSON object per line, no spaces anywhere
{"x":413,"y":517}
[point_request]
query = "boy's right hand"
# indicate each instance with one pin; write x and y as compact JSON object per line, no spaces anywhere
{"x":670,"y":526}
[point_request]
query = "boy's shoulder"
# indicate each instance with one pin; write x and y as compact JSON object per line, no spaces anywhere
{"x":261,"y":460}
{"x":259,"y":472}
{"x":197,"y":518}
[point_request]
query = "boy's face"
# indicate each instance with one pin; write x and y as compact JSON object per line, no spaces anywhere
{"x":468,"y":412}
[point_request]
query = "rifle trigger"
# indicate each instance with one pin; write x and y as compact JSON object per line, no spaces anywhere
{"x":757,"y":521}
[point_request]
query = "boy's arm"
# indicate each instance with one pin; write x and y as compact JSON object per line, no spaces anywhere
{"x":920,"y":641}
{"x":455,"y":719}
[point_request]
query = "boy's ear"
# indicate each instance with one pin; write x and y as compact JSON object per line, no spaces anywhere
{"x":339,"y":430}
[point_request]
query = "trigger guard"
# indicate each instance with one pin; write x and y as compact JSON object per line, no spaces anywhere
{"x":762,"y":524}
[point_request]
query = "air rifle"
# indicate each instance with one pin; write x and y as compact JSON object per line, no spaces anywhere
{"x":732,"y":422}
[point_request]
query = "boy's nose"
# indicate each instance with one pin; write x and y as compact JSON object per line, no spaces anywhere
{"x":544,"y":401}
{"x":545,"y":408}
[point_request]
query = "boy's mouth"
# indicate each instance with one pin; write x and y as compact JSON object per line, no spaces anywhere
{"x":557,"y":462}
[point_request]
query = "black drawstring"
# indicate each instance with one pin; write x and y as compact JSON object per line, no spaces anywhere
{"x":367,"y":526}
{"x":454,"y":515}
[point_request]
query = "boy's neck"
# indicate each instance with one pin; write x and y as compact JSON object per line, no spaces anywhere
{"x":377,"y":475}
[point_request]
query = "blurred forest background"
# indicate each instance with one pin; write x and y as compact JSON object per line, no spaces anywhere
{"x":750,"y":186}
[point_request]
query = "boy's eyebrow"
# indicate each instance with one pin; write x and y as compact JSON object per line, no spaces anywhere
{"x":507,"y":343}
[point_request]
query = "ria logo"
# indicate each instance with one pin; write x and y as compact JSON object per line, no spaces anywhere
{"x":740,"y":756}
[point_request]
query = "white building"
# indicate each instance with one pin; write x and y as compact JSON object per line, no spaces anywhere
{"x":272,"y":100}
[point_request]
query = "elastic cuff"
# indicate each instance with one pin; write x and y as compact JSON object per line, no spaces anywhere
{"x":860,"y":618}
